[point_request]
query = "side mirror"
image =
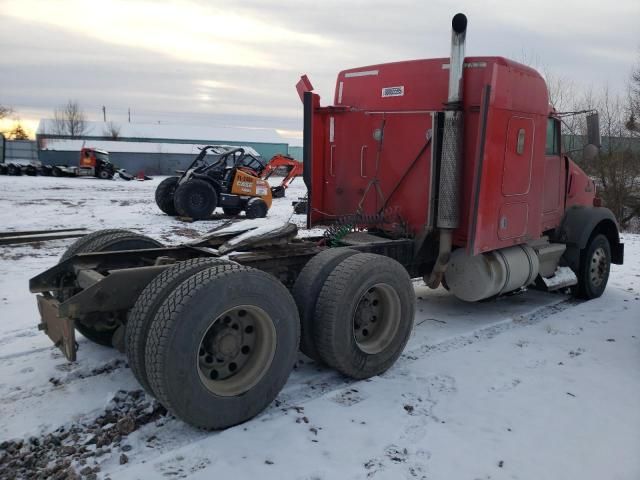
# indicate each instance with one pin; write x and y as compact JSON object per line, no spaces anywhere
{"x":593,"y":129}
{"x":590,"y":152}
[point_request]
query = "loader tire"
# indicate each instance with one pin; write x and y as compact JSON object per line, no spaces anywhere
{"x":195,"y":199}
{"x":364,"y":315}
{"x":594,"y":268}
{"x":256,"y":208}
{"x":218,"y":360}
{"x":164,"y":195}
{"x":106,"y":241}
{"x":146,"y":307}
{"x":307,"y":289}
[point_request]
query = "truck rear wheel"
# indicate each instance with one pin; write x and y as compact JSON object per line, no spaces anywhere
{"x":593,"y":271}
{"x":78,"y":245}
{"x":217,"y":360}
{"x":364,"y":315}
{"x":164,"y":195}
{"x":307,"y":289}
{"x":146,"y":308}
{"x":196,"y":199}
{"x":101,"y":331}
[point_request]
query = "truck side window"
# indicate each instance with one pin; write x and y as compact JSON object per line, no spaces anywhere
{"x":520,"y":144}
{"x":552,"y":138}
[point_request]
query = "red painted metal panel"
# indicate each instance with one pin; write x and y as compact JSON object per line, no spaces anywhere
{"x":350,"y":163}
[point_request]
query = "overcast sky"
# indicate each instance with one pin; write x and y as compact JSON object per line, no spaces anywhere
{"x":236,"y":62}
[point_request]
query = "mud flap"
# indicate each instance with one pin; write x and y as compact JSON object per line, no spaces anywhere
{"x":60,"y":330}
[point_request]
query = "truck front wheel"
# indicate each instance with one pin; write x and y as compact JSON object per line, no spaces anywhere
{"x":215,"y":360}
{"x":105,"y":174}
{"x":593,"y":271}
{"x":364,"y":315}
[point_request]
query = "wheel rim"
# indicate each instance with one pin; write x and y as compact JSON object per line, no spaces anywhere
{"x":598,"y":267}
{"x":196,"y":200}
{"x":376,"y":318}
{"x":236,"y":350}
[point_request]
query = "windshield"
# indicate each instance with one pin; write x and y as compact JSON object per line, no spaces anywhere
{"x":255,"y":163}
{"x":102,"y":156}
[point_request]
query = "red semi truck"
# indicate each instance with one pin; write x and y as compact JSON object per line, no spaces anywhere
{"x":92,"y":162}
{"x":446,"y":169}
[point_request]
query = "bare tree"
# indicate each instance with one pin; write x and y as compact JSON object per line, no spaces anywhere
{"x":69,"y":120}
{"x":617,"y":167}
{"x":633,"y":120}
{"x":5,"y":111}
{"x":112,"y":130}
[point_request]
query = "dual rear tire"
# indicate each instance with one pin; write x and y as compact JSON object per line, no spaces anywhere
{"x":218,"y":360}
{"x":363,"y":312}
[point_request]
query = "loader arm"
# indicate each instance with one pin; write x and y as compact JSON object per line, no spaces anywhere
{"x":290,"y":165}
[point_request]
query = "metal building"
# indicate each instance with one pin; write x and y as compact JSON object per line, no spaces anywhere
{"x":155,"y":149}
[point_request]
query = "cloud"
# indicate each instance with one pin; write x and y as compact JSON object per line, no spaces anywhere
{"x":237,"y":61}
{"x":182,"y":30}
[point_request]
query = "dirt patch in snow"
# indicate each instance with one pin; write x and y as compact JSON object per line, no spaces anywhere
{"x":74,"y":451}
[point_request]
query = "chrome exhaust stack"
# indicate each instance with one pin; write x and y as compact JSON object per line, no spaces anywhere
{"x":449,"y":188}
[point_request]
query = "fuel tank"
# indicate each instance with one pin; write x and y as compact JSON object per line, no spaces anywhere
{"x":473,"y":278}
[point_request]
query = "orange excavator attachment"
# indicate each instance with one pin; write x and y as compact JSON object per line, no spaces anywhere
{"x":289,"y":165}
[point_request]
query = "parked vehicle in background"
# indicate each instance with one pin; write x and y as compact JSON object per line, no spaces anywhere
{"x":92,"y":163}
{"x":225,"y":177}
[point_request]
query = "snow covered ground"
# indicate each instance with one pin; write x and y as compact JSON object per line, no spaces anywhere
{"x":533,"y":386}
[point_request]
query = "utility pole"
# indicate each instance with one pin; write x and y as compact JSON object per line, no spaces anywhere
{"x":104,"y":113}
{"x":129,"y":111}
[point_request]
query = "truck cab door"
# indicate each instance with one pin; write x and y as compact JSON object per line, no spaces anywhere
{"x":350,"y":166}
{"x":554,"y":177}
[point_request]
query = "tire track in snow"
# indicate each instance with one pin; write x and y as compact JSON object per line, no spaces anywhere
{"x":322,"y":384}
